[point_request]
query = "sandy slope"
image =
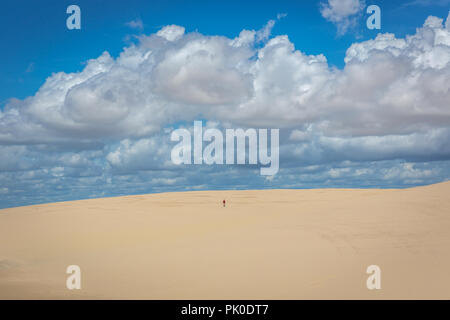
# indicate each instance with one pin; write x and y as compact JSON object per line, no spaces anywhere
{"x":274,"y":244}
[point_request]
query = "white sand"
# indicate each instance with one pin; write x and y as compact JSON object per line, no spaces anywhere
{"x":274,"y":244}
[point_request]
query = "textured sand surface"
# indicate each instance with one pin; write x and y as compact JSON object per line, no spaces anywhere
{"x":274,"y":244}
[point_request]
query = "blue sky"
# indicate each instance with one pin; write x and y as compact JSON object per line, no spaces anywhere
{"x":379,"y":134}
{"x":38,"y":43}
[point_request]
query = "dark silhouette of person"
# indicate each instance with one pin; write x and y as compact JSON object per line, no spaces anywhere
{"x":223,"y":202}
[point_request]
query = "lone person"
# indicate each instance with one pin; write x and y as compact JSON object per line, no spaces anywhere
{"x":223,"y":202}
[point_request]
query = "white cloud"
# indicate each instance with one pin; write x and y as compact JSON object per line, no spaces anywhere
{"x":143,"y":154}
{"x":264,"y":33}
{"x":136,"y":24}
{"x":390,"y":101}
{"x":342,"y":12}
{"x":408,"y":171}
{"x":204,"y":71}
{"x":171,"y":33}
{"x":389,"y":86}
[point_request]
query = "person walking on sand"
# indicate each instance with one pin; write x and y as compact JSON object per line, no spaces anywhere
{"x":223,"y":202}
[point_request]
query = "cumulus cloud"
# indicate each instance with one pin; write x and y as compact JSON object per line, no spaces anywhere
{"x":171,"y":33}
{"x":107,"y":127}
{"x":342,"y":13}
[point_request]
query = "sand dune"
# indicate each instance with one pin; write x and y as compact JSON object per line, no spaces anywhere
{"x":273,"y":244}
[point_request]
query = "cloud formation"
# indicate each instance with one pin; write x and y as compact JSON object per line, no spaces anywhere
{"x":342,"y":13}
{"x":136,"y":24}
{"x":105,"y":130}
